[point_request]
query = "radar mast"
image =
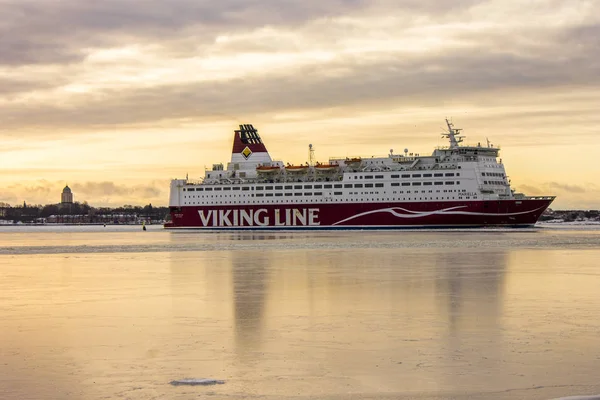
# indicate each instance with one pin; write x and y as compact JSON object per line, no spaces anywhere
{"x":453,"y":135}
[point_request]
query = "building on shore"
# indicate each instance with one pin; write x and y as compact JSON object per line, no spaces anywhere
{"x":66,"y":198}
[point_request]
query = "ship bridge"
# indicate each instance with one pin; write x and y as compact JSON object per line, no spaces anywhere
{"x":469,"y":152}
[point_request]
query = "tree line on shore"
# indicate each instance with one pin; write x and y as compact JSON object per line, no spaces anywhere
{"x":570,"y":215}
{"x":82,"y":213}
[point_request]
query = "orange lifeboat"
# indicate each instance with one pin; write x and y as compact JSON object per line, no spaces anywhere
{"x":267,"y":169}
{"x":326,"y":167}
{"x":353,"y":162}
{"x":296,"y":168}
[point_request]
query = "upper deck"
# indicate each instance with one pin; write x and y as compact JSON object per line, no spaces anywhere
{"x":250,"y":161}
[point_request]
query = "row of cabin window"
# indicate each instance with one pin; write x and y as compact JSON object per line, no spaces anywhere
{"x":492,"y":174}
{"x":494,"y":183}
{"x":328,"y":186}
{"x":337,"y":186}
{"x":347,"y":200}
{"x":288,"y":187}
{"x":424,"y":183}
{"x":299,"y":194}
{"x":436,"y":175}
{"x":335,"y":193}
{"x":287,"y":194}
{"x":397,"y":176}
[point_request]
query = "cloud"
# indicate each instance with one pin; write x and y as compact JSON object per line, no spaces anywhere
{"x":569,"y":188}
{"x":258,"y":57}
{"x":41,"y":187}
{"x":370,"y":31}
{"x":110,"y":189}
{"x":48,"y":32}
{"x":14,"y":86}
{"x":358,"y":83}
{"x":532,"y":190}
{"x":71,"y":69}
{"x":38,"y":192}
{"x":105,"y":193}
{"x":7,"y":197}
{"x":552,"y":187}
{"x":568,"y":196}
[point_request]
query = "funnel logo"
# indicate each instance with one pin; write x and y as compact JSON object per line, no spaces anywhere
{"x":246,"y":152}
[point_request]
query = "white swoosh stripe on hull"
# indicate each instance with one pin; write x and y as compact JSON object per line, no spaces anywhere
{"x":445,"y":211}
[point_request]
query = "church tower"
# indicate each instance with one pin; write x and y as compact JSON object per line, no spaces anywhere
{"x":67,"y":196}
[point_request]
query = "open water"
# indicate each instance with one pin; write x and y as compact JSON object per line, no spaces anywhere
{"x":96,"y":312}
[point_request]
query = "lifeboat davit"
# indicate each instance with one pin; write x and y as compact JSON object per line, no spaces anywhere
{"x":267,"y":169}
{"x":326,"y":167}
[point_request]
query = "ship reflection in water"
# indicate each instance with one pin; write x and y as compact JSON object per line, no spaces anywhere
{"x":495,"y":315}
{"x":367,"y":317}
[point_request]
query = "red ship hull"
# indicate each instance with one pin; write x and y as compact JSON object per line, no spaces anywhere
{"x":448,"y":214}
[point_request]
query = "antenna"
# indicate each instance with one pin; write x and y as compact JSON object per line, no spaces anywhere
{"x":311,"y":155}
{"x":453,"y":135}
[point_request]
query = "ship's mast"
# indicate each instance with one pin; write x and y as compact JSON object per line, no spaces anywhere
{"x":453,"y":135}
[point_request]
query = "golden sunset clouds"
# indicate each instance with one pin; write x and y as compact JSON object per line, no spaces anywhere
{"x":131,"y":94}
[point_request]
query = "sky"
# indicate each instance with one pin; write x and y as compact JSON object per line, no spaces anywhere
{"x":115,"y":98}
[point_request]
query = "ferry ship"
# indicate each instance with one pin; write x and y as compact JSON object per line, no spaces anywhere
{"x":457,"y":186}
